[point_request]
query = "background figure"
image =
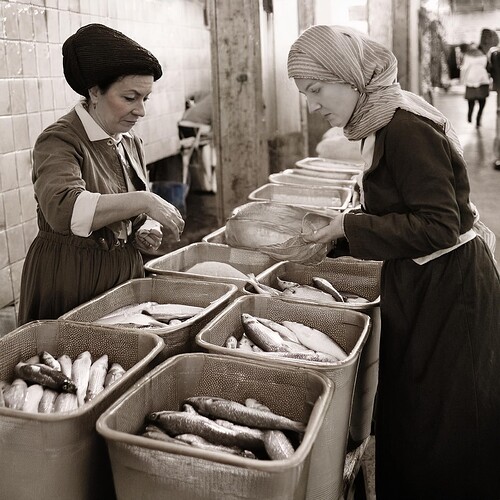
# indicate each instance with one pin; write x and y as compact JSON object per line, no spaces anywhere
{"x":476,"y":79}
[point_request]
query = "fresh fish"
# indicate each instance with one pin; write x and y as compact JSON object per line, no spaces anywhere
{"x":285,"y":333}
{"x":244,"y":344}
{"x":253,"y":403}
{"x":139,"y":320}
{"x":33,"y":397}
{"x":251,"y":433}
{"x":261,"y":335}
{"x":129,"y":310}
{"x":65,"y":402}
{"x":316,"y":340}
{"x":154,"y":432}
{"x":15,"y":394}
{"x":202,"y":443}
{"x":47,"y":401}
{"x":33,"y":360}
{"x":277,"y":445}
{"x":174,"y":322}
{"x":180,"y":422}
{"x":327,"y":287}
{"x":231,"y":342}
{"x":3,"y":386}
{"x":256,"y":348}
{"x":297,"y":347}
{"x":285,"y":285}
{"x":66,"y":364}
{"x":309,"y":293}
{"x":80,"y":373}
{"x":261,"y":288}
{"x":243,"y":415}
{"x":354,"y":299}
{"x":114,"y":373}
{"x":47,"y":359}
{"x":167,"y":312}
{"x":188,"y":408}
{"x":46,"y":376}
{"x":98,"y":371}
{"x":215,"y":268}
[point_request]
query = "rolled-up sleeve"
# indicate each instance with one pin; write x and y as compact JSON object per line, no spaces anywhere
{"x":83,"y":213}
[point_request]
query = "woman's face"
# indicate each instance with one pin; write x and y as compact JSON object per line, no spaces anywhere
{"x":335,"y":101}
{"x":118,"y":109}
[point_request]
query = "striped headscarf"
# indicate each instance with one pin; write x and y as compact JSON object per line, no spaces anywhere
{"x":344,"y":55}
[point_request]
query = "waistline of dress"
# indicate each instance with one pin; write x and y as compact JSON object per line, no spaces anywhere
{"x":76,"y":241}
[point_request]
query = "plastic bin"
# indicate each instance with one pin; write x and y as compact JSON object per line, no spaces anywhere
{"x":60,"y":455}
{"x":348,"y":328}
{"x":317,"y":198}
{"x":213,"y":297}
{"x":177,"y":262}
{"x":360,"y":277}
{"x":218,"y":236}
{"x":327,"y":164}
{"x":145,"y":468}
{"x":289,"y":176}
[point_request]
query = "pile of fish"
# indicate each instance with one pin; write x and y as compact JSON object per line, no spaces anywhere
{"x":322,"y":291}
{"x":150,"y":315}
{"x":288,"y":339}
{"x":249,"y":430}
{"x":45,"y":384}
{"x":216,"y":268}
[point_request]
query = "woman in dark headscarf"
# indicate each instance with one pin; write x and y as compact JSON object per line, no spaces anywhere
{"x":90,"y":180}
{"x":438,"y":403}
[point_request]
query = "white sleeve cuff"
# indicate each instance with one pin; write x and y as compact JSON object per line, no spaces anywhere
{"x":83,"y":213}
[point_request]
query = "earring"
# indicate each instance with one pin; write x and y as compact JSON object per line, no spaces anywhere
{"x":94,"y":105}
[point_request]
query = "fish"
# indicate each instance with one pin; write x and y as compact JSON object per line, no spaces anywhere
{"x":174,"y":322}
{"x":202,"y":443}
{"x":231,"y":342}
{"x":256,"y":348}
{"x":47,"y":359}
{"x":243,"y":415}
{"x":33,"y":360}
{"x":261,"y":288}
{"x":285,"y":285}
{"x":188,"y":408}
{"x":80,"y":373}
{"x":253,"y":403}
{"x":129,"y":310}
{"x":285,"y":333}
{"x":309,"y":293}
{"x":244,"y":344}
{"x":215,"y":268}
{"x":167,"y":312}
{"x":3,"y":386}
{"x":327,"y":287}
{"x":47,"y":402}
{"x":261,"y":335}
{"x":66,"y":364}
{"x":316,"y":340}
{"x":297,"y":347}
{"x":15,"y":394}
{"x":114,"y":373}
{"x":46,"y":376}
{"x":180,"y":422}
{"x":97,"y":375}
{"x":33,"y":397}
{"x":254,"y":435}
{"x":154,"y":432}
{"x":320,"y":357}
{"x":139,"y":320}
{"x":65,"y":401}
{"x":277,"y":445}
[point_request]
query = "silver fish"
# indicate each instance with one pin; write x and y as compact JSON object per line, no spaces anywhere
{"x":15,"y":394}
{"x":66,"y":364}
{"x":320,"y":357}
{"x":167,"y":312}
{"x":80,"y":373}
{"x":243,"y":415}
{"x":245,"y":344}
{"x":48,"y":400}
{"x":277,"y":445}
{"x":327,"y":287}
{"x":97,"y":376}
{"x":202,"y":443}
{"x":154,"y":432}
{"x":253,"y":403}
{"x":47,"y":359}
{"x":285,"y":333}
{"x":231,"y":342}
{"x":65,"y":402}
{"x":33,"y":397}
{"x":309,"y":293}
{"x":46,"y":376}
{"x":180,"y":422}
{"x":261,"y":335}
{"x":261,"y":288}
{"x":3,"y":386}
{"x":188,"y":408}
{"x":255,"y":435}
{"x":114,"y":373}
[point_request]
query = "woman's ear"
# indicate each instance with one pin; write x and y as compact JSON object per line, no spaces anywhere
{"x":94,"y":94}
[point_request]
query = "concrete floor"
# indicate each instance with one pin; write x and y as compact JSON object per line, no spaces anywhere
{"x":201,"y":216}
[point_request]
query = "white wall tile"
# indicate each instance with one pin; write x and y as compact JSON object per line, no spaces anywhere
{"x":14,"y":59}
{"x":5,"y":108}
{"x":43,"y":59}
{"x":12,"y":206}
{"x":16,"y":270}
{"x":4,"y":252}
{"x":21,"y":133}
{"x":15,"y":243}
{"x":10,"y":17}
{"x":46,"y":94}
{"x":64,"y":25}
{"x":28,"y":203}
{"x":32,"y":95}
{"x":52,"y":25}
{"x":2,"y":214}
{"x":23,"y":167}
{"x":17,"y":96}
{"x":6,"y":290}
{"x":40,"y":25}
{"x":6,"y":135}
{"x":28,"y":57}
{"x":34,"y":126}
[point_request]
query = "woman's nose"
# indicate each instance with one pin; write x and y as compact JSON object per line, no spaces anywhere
{"x":312,"y":105}
{"x":139,"y":109}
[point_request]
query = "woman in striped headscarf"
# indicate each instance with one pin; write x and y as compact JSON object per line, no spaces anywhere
{"x":438,"y":405}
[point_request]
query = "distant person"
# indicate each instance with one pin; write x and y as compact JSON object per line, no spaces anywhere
{"x":475,"y":77}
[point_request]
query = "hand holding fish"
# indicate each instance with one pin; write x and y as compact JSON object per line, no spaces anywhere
{"x":166,"y":214}
{"x":148,"y":240}
{"x":326,"y":234}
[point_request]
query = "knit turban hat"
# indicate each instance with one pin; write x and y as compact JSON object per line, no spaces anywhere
{"x":96,"y":53}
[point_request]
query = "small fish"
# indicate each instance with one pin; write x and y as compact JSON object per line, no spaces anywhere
{"x":188,"y":408}
{"x":254,"y":435}
{"x":139,"y":320}
{"x":33,"y":397}
{"x":174,"y":322}
{"x":114,"y":373}
{"x":316,"y":356}
{"x":46,"y":376}
{"x":15,"y":394}
{"x":256,"y":348}
{"x":199,"y":442}
{"x":261,"y":288}
{"x":277,"y":445}
{"x":47,"y":359}
{"x":33,"y":360}
{"x":309,"y":293}
{"x":316,"y":340}
{"x":47,"y":401}
{"x":180,"y":422}
{"x":3,"y":386}
{"x":66,"y":364}
{"x":65,"y":401}
{"x":128,"y":310}
{"x":97,"y":375}
{"x":155,"y":432}
{"x":243,"y":415}
{"x":167,"y":312}
{"x":231,"y":342}
{"x":285,"y":285}
{"x":261,"y":335}
{"x":80,"y":373}
{"x":244,"y":344}
{"x":286,"y":333}
{"x":297,"y":347}
{"x":253,"y":403}
{"x":327,"y":287}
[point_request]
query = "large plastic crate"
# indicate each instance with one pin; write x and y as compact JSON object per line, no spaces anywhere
{"x":177,"y":262}
{"x":146,"y":468}
{"x":327,"y":164}
{"x":360,"y":277}
{"x":290,"y":176}
{"x":213,"y":297}
{"x":348,"y":328}
{"x":328,"y":199}
{"x":60,"y":455}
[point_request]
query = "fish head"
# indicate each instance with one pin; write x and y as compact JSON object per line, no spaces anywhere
{"x":69,"y":386}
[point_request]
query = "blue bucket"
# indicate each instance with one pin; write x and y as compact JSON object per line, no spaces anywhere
{"x":174,"y":192}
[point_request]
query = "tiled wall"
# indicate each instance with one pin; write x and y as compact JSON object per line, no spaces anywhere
{"x":33,"y":92}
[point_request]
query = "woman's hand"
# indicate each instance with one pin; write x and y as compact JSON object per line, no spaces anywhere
{"x":166,"y":214}
{"x":326,"y":234}
{"x":149,"y":240}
